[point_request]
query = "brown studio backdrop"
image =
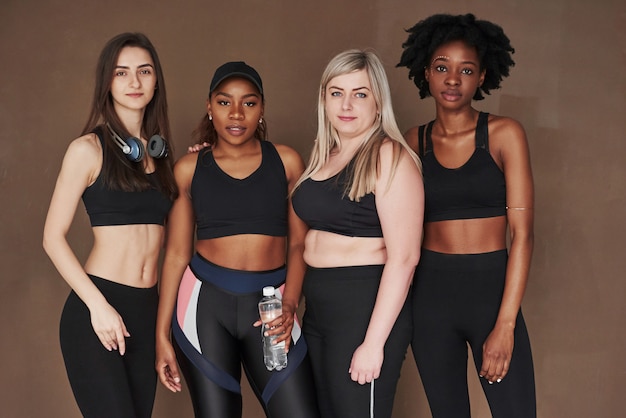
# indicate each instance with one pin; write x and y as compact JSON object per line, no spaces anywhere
{"x":567,"y":89}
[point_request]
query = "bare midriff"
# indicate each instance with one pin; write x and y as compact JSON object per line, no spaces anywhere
{"x":126,"y":254}
{"x":327,"y":249}
{"x":466,"y":236}
{"x":248,"y":252}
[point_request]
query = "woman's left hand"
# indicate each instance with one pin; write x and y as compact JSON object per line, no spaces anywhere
{"x":497,"y":352}
{"x":366,"y":364}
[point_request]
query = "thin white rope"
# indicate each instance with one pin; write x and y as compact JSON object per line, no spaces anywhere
{"x":372,"y":399}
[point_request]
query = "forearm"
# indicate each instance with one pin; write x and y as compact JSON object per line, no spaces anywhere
{"x":392,"y":293}
{"x":295,"y":275}
{"x":518,"y":267}
{"x":520,"y":216}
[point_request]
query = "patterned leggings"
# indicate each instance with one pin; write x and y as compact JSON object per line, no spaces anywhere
{"x":214,"y":337}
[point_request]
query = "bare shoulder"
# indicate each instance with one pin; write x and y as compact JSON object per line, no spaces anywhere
{"x":285,"y":151}
{"x":507,"y":140}
{"x":387,"y":147}
{"x":82,"y":161}
{"x":289,"y":156}
{"x":388,"y":152}
{"x":502,"y":128}
{"x":187,"y":163}
{"x":84,"y":151}
{"x":412,"y":132}
{"x":184,"y":169}
{"x":412,"y":137}
{"x":390,"y":147}
{"x":86,"y":146}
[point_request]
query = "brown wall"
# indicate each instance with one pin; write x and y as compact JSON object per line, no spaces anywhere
{"x":568,"y":89}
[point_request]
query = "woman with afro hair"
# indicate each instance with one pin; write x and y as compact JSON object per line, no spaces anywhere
{"x":478,"y":186}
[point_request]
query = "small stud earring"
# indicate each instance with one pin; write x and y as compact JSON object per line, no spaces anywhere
{"x":210,"y":117}
{"x":261,"y":119}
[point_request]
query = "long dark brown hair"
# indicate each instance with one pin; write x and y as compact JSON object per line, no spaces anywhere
{"x":119,"y":172}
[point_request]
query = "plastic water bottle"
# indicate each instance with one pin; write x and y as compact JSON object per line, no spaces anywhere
{"x":270,"y":307}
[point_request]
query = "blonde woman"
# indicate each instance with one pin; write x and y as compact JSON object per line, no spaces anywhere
{"x":362,"y":198}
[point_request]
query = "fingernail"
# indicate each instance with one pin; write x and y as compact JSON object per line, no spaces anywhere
{"x":499,"y":380}
{"x":490,"y":382}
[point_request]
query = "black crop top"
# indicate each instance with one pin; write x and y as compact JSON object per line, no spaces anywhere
{"x":323,"y":206}
{"x":107,"y":207}
{"x":477,"y":189}
{"x":227,"y":206}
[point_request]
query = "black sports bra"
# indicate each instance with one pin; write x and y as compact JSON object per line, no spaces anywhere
{"x":323,"y":206}
{"x":477,"y":189}
{"x":117,"y":207}
{"x":226,"y":206}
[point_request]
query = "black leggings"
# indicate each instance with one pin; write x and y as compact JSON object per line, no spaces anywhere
{"x":339,"y":304}
{"x":214,"y":337}
{"x":456,"y":299}
{"x":106,"y":384}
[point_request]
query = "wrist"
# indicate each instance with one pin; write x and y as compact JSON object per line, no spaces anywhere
{"x":290,"y":304}
{"x":505,"y":324}
{"x":97,"y":302}
{"x":163,"y":336}
{"x":373,"y":343}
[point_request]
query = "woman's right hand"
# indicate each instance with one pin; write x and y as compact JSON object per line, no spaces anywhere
{"x":166,"y":366}
{"x":197,"y":147}
{"x":109,"y":327}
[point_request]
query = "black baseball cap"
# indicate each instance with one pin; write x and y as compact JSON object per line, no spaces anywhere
{"x":236,"y":69}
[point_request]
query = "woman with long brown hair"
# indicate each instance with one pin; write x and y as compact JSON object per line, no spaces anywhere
{"x":122,"y":168}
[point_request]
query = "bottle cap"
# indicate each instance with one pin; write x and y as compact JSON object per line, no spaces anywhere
{"x":268,"y":291}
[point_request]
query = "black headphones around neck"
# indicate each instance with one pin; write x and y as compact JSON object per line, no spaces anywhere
{"x":133,"y":147}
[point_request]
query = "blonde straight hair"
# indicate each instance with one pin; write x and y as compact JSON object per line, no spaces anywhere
{"x":363,"y":170}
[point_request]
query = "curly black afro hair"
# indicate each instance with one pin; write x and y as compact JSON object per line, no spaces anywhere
{"x":492,"y":45}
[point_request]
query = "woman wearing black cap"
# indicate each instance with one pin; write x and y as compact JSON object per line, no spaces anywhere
{"x":234,"y":195}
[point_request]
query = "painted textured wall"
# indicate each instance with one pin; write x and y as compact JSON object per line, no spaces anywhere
{"x":568,"y":89}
